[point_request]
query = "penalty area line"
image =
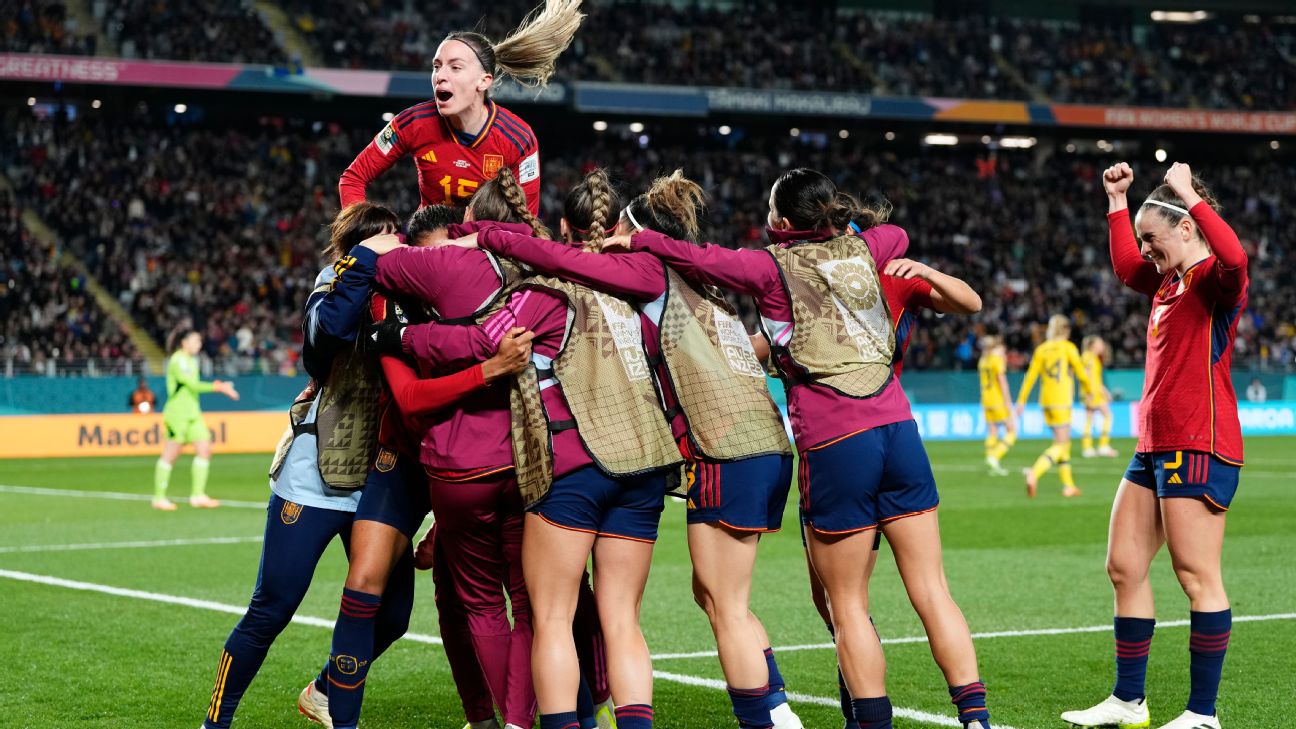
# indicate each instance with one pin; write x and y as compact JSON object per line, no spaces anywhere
{"x":680,"y":678}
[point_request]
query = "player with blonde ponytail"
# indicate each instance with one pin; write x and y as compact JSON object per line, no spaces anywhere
{"x":461,"y":138}
{"x":738,"y":458}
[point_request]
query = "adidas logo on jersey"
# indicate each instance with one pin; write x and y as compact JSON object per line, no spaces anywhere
{"x":1175,"y":479}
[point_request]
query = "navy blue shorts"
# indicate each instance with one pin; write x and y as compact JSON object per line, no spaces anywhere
{"x":864,"y":479}
{"x":1186,"y":473}
{"x":589,"y":500}
{"x":395,"y":493}
{"x":748,"y":495}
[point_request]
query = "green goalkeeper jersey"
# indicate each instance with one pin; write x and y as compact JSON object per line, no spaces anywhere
{"x":184,"y":387}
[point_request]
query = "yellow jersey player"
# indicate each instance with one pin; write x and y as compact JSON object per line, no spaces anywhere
{"x":1001,"y":426}
{"x":1097,"y":398}
{"x":1058,"y":361}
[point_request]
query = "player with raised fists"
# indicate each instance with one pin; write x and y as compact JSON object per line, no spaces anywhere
{"x":1185,"y":469}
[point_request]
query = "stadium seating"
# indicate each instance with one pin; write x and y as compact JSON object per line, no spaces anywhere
{"x":222,"y":228}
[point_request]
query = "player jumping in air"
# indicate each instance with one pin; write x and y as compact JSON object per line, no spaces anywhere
{"x":1185,"y":469}
{"x":460,"y":138}
{"x":1097,"y":398}
{"x":1058,"y":361}
{"x":1001,"y":426}
{"x":184,"y":421}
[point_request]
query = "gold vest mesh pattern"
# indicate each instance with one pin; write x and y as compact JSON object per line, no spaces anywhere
{"x":716,"y":376}
{"x":842,"y":334}
{"x":608,"y":385}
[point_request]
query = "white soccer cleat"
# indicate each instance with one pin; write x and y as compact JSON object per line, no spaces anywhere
{"x":1112,"y":713}
{"x":605,"y":714}
{"x":785,"y":718}
{"x":1190,"y":720}
{"x":164,"y":505}
{"x":992,"y":463}
{"x":1089,"y":453}
{"x":203,"y":501}
{"x":314,"y":705}
{"x":1108,"y":452}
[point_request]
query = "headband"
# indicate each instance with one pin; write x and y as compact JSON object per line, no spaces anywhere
{"x":631,"y":216}
{"x":1175,"y":208}
{"x":475,"y":50}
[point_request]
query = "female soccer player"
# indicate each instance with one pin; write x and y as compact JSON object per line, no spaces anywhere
{"x":592,"y":447}
{"x":306,"y":512}
{"x":468,"y":458}
{"x":1059,"y":362}
{"x":909,"y":286}
{"x":184,"y":422}
{"x":739,"y":465}
{"x":461,"y":138}
{"x":863,"y":465}
{"x":1001,"y":426}
{"x":1185,"y":469}
{"x":1097,"y":398}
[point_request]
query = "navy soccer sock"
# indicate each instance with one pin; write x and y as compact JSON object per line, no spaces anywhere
{"x":585,"y":706}
{"x":873,"y":713}
{"x":564,"y":720}
{"x":750,"y":707}
{"x":634,"y":716}
{"x":353,"y":644}
{"x":777,"y":695}
{"x":1208,"y":644}
{"x":1133,"y":640}
{"x":971,"y":702}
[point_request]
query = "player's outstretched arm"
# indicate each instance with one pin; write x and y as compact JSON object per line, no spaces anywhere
{"x":949,"y":294}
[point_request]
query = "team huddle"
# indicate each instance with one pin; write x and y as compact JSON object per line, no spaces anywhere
{"x":541,"y":393}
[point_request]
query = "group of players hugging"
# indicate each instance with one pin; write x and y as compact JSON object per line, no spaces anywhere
{"x":541,"y":394}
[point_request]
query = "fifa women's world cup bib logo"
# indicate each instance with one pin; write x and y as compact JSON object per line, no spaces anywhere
{"x":623,"y":322}
{"x":857,"y":294}
{"x":736,"y":345}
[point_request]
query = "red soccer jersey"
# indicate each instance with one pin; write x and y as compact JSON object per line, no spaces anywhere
{"x":1188,"y":398}
{"x":905,"y":296}
{"x":451,"y":165}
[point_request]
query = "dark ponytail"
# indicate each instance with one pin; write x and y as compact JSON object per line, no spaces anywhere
{"x":1165,"y":194}
{"x":178,"y":335}
{"x":810,"y":201}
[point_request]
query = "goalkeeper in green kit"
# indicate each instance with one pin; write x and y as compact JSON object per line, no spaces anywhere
{"x":183,"y":420}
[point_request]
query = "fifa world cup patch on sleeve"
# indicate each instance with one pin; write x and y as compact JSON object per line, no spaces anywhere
{"x":529,"y":168}
{"x":386,"y":139}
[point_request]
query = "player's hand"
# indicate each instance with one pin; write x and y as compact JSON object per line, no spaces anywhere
{"x":907,"y":268}
{"x":1180,"y":179}
{"x":617,"y":244}
{"x":512,"y":357}
{"x":468,"y":241}
{"x":1118,"y":178}
{"x":1019,"y":409}
{"x":225,"y":388}
{"x":383,"y":337}
{"x":382,"y":243}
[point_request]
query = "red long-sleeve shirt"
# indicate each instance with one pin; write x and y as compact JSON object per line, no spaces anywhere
{"x":451,"y":165}
{"x":1188,"y":397}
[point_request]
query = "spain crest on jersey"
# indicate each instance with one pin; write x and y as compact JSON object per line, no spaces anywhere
{"x":491,"y":165}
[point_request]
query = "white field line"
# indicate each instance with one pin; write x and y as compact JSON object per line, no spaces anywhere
{"x":114,"y":496}
{"x":915,"y":715}
{"x":127,"y":545}
{"x":983,"y":636}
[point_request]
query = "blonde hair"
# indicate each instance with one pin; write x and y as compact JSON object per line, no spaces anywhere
{"x":587,"y":208}
{"x":503,"y":200}
{"x":529,"y":52}
{"x":1090,"y":340}
{"x":1059,"y":327}
{"x":989,"y":342}
{"x":673,"y":205}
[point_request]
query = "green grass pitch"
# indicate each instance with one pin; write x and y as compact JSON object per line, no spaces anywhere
{"x":91,"y":658}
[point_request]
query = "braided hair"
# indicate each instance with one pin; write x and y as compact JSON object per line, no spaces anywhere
{"x":503,"y":200}
{"x":588,"y":207}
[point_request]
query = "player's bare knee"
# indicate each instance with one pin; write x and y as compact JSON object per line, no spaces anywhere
{"x":1125,"y":573}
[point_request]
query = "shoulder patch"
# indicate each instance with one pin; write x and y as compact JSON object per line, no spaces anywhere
{"x":386,"y":139}
{"x":529,"y":168}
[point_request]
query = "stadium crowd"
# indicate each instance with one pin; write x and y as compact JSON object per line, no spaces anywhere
{"x":1217,"y":63}
{"x":224,"y":227}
